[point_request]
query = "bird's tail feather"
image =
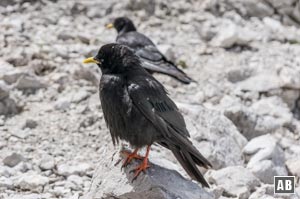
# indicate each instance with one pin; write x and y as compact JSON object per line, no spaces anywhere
{"x":168,"y":69}
{"x":187,"y":155}
{"x":187,"y":162}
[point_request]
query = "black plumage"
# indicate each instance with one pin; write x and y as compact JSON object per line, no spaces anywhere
{"x":152,"y":59}
{"x":137,"y":109}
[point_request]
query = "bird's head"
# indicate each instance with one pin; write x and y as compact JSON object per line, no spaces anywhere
{"x":122,"y":25}
{"x":114,"y":59}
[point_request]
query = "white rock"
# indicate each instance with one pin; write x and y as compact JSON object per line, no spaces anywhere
{"x":263,"y":192}
{"x":267,"y":158}
{"x":214,"y":134}
{"x":236,"y":181}
{"x":7,"y":171}
{"x":6,"y":182}
{"x":22,"y":133}
{"x":80,"y":96}
{"x":47,"y":163}
{"x":290,"y":77}
{"x":75,"y":179}
{"x":4,"y":92}
{"x":260,"y":83}
{"x":262,"y":117}
{"x":31,"y":181}
{"x":275,"y":108}
{"x":293,"y":166}
{"x":230,"y":34}
{"x":226,"y":37}
{"x":273,"y":24}
{"x":79,"y":169}
{"x":62,"y":104}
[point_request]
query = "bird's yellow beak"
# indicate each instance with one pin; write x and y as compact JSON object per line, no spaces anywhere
{"x":110,"y":25}
{"x":91,"y":60}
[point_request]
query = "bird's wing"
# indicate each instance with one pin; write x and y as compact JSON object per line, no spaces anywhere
{"x":141,"y":45}
{"x":152,"y":59}
{"x":151,"y":99}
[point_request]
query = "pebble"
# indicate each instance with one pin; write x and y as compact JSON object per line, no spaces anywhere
{"x":67,"y":170}
{"x":29,"y":82}
{"x":30,"y":123}
{"x":13,"y":159}
{"x":47,"y":163}
{"x":293,"y":165}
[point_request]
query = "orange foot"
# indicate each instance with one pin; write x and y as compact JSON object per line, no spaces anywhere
{"x":130,"y":157}
{"x":143,"y":166}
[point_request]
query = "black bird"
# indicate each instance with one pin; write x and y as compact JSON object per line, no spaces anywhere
{"x":152,"y":59}
{"x":137,"y":109}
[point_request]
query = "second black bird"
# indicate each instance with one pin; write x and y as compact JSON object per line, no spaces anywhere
{"x":137,"y":109}
{"x":152,"y":59}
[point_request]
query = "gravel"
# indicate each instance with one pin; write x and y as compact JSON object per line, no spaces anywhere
{"x":243,"y":112}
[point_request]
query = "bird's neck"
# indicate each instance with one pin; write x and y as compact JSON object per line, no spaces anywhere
{"x":126,"y":29}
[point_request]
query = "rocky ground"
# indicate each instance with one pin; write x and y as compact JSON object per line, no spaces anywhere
{"x":243,"y":114}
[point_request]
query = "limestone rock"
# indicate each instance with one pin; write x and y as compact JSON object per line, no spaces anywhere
{"x":157,"y":182}
{"x":236,"y":181}
{"x":266,"y":158}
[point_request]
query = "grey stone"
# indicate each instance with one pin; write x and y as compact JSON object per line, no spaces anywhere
{"x":13,"y":159}
{"x":288,"y":10}
{"x":8,"y":107}
{"x":88,"y":75}
{"x":264,"y":192}
{"x":66,"y":36}
{"x":13,"y":76}
{"x":4,"y":92}
{"x":30,"y":123}
{"x":29,"y":82}
{"x":147,"y":5}
{"x":157,"y":182}
{"x":236,"y":181}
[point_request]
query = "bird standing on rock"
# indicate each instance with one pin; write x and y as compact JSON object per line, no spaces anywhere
{"x":152,"y":59}
{"x":137,"y":109}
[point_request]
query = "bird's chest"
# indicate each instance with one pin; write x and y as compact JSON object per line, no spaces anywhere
{"x":115,"y":102}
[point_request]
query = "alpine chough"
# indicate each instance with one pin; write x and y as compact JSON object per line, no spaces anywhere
{"x":152,"y":59}
{"x":137,"y":109}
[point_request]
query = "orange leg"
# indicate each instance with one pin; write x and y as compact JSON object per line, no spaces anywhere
{"x":143,"y":166}
{"x":130,"y":157}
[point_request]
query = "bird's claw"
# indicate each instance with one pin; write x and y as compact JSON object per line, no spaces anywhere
{"x":141,"y":168}
{"x":130,"y":157}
